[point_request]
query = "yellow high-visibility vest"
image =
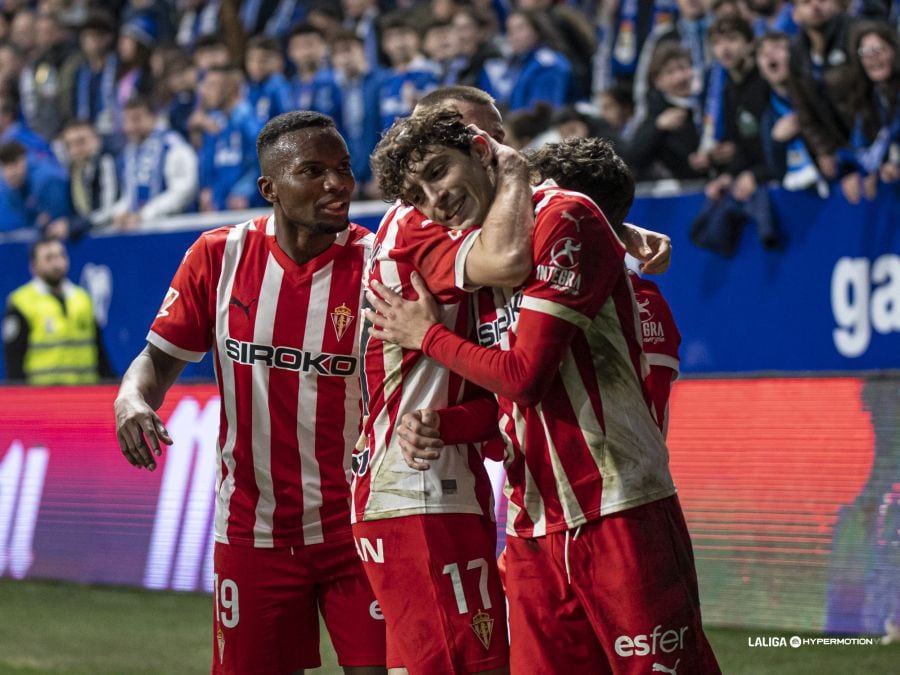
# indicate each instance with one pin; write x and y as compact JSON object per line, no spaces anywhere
{"x":62,"y":346}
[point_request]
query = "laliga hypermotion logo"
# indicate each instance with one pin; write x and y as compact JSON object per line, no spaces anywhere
{"x":341,"y":317}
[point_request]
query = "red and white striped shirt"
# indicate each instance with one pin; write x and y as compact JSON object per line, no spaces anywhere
{"x":398,"y":381}
{"x":660,"y":339}
{"x":564,"y":355}
{"x":285,"y":338}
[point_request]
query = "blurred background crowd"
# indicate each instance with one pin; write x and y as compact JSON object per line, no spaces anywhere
{"x":116,"y":114}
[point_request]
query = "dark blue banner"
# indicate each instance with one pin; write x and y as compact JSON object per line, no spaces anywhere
{"x":829,"y":301}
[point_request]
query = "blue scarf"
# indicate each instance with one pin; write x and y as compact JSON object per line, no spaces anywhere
{"x":801,"y":170}
{"x":102,"y":112}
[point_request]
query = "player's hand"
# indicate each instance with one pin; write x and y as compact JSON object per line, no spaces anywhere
{"x":395,"y":319}
{"x":509,"y":162}
{"x":420,"y":438}
{"x":140,"y":431}
{"x":653,"y":249}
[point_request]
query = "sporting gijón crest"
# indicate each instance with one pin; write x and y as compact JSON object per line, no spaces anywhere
{"x":341,"y":318}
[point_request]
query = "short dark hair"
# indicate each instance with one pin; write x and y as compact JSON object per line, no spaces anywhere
{"x":346,"y":35}
{"x":456,"y":92}
{"x":264,"y":43}
{"x":139,"y":101}
{"x":287,"y":123}
{"x":43,"y":241}
{"x":209,"y":42}
{"x":727,"y":25}
{"x":773,"y":36}
{"x":304,"y":29}
{"x":11,"y":151}
{"x":409,"y":140}
{"x":78,"y":123}
{"x":398,"y":20}
{"x":592,"y":167}
{"x":665,"y":53}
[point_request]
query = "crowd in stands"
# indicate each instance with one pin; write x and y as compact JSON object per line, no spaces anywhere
{"x":117,"y":113}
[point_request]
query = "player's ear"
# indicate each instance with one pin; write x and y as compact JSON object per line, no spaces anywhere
{"x":267,"y":189}
{"x":481,"y":150}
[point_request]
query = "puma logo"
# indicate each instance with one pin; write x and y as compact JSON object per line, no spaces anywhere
{"x":660,"y":668}
{"x":245,"y":308}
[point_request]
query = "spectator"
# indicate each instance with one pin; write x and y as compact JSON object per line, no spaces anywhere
{"x":22,"y":33}
{"x":821,"y":76}
{"x":535,"y":71}
{"x":11,"y":64}
{"x":738,"y":193}
{"x":690,"y":32}
{"x":875,"y":141}
{"x":786,"y":155}
{"x":228,"y":164}
{"x":181,"y":84}
{"x":50,"y":335}
{"x":39,"y":83}
{"x":93,"y":178}
{"x":410,"y":75}
{"x":439,"y":45}
{"x":34,"y":192}
{"x":158,"y":170}
{"x":474,"y":32}
{"x":578,"y":40}
{"x":617,"y":108}
{"x":666,"y":137}
{"x":12,"y":129}
{"x":268,"y":91}
{"x":136,"y":42}
{"x":359,"y":84}
{"x":326,"y":16}
{"x":210,"y":52}
{"x":361,"y":16}
{"x":313,"y":87}
{"x":89,"y":76}
{"x":772,"y":16}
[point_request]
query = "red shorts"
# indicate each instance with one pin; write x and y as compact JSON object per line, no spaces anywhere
{"x":618,"y":595}
{"x":436,"y":580}
{"x":267,"y":604}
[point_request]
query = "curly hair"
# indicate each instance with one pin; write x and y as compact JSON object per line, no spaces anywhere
{"x":589,"y":166}
{"x":408,"y":142}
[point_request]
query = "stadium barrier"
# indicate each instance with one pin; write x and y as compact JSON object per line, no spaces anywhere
{"x":830,"y":301}
{"x":791,"y":488}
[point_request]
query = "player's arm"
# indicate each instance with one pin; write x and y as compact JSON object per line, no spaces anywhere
{"x":424,"y":433}
{"x":521,"y":374}
{"x":501,"y":254}
{"x":144,"y":386}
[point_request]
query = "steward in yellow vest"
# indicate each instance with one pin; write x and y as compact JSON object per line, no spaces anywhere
{"x":49,"y":332}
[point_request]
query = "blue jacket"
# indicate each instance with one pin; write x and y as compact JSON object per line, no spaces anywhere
{"x":44,"y":193}
{"x":36,"y":145}
{"x":228,"y":162}
{"x":319,"y":93}
{"x":520,"y":82}
{"x":360,"y":120}
{"x":269,"y":98}
{"x":422,"y":76}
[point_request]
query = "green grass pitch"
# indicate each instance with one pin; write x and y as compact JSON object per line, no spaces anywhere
{"x":87,"y":630}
